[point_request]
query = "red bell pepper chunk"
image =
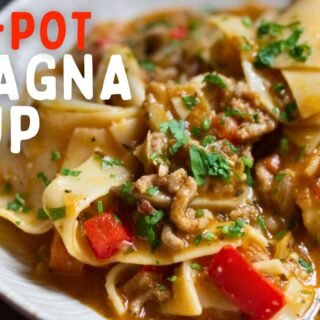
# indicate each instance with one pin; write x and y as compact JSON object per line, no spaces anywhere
{"x":252,"y":293}
{"x":179,"y":33}
{"x":106,"y":234}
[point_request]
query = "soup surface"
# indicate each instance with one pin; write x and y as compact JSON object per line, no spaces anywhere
{"x":198,"y":198}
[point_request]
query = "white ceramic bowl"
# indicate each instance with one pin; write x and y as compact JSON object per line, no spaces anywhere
{"x":16,"y":254}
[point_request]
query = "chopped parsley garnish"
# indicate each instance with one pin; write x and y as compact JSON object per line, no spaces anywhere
{"x":304,"y":264}
{"x":261,"y":223}
{"x":279,"y":177}
{"x":196,"y":132}
{"x":71,"y":173}
{"x":190,"y":102}
{"x":215,"y":80}
{"x":147,"y":227}
{"x":231,"y":112}
{"x":232,"y":147}
{"x":247,"y":22}
{"x":234,"y":229}
{"x":288,"y":114}
{"x":196,"y":266}
{"x":248,"y":164}
{"x":199,"y":213}
{"x":256,"y":118}
{"x":152,"y":191}
{"x":57,"y":213}
{"x":173,"y":278}
{"x":147,"y":65}
{"x":100,"y":206}
{"x":46,"y":181}
{"x":284,"y":146}
{"x":301,"y":153}
{"x":19,"y":204}
{"x":205,"y":124}
{"x":269,"y":28}
{"x":41,"y":214}
{"x":177,"y":130}
{"x":205,"y":164}
{"x":207,"y":236}
{"x":246,"y":45}
{"x":108,"y":162}
{"x":159,"y":158}
{"x":271,"y":50}
{"x":55,"y":155}
{"x":126,"y":192}
{"x":278,"y":87}
{"x":207,"y":140}
{"x":301,"y":52}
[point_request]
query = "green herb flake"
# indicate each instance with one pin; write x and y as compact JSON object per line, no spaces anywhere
{"x":196,"y":132}
{"x":70,"y":173}
{"x":301,"y":53}
{"x":177,"y":130}
{"x":208,"y":164}
{"x":126,"y":192}
{"x":234,"y":229}
{"x":207,"y":236}
{"x":173,"y":278}
{"x":231,"y":112}
{"x":152,"y":191}
{"x":301,"y":153}
{"x":232,"y":147}
{"x":247,"y":22}
{"x":304,"y":264}
{"x":261,"y":223}
{"x":215,"y":80}
{"x":46,"y":181}
{"x":206,"y":124}
{"x":199,"y":213}
{"x":196,"y":266}
{"x":271,"y":50}
{"x":279,"y":177}
{"x":108,"y":162}
{"x":246,"y":44}
{"x":159,"y":158}
{"x":288,"y":114}
{"x":190,"y":102}
{"x":147,"y":227}
{"x":41,"y":214}
{"x":18,"y":204}
{"x":147,"y":65}
{"x":55,"y":155}
{"x":284,"y":146}
{"x":100,"y":206}
{"x":248,"y":163}
{"x":278,"y":87}
{"x":207,"y":140}
{"x":57,"y":213}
